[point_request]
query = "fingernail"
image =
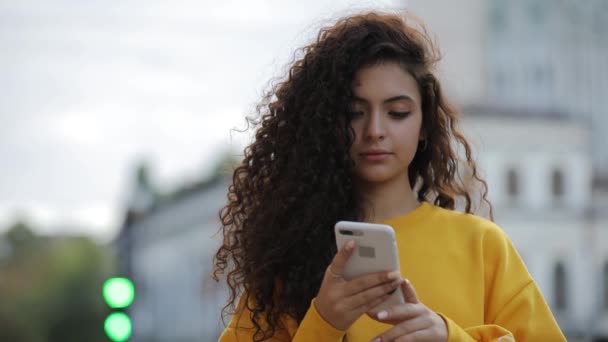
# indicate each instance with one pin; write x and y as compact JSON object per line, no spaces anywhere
{"x":394,"y":275}
{"x":349,"y":245}
{"x":376,"y":339}
{"x":382,"y":314}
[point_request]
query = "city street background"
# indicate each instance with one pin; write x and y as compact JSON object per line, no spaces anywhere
{"x":117,"y":138}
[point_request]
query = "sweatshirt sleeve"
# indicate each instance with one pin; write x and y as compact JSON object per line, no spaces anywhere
{"x":515,"y":309}
{"x":312,"y":328}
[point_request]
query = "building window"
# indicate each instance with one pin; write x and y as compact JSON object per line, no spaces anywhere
{"x":599,"y":20}
{"x":606,"y":286}
{"x":498,"y":15}
{"x":575,"y":13}
{"x":538,"y":76}
{"x":536,"y":12}
{"x":557,"y":183}
{"x":559,"y":283}
{"x":500,"y":79}
{"x":549,"y":74}
{"x":512,"y":183}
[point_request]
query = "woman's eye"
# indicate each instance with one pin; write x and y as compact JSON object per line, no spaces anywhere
{"x":399,"y":114}
{"x":357,"y":113}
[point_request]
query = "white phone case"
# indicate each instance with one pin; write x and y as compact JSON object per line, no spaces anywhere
{"x":376,"y":251}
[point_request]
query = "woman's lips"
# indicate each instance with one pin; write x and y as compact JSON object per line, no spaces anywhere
{"x":375,"y":156}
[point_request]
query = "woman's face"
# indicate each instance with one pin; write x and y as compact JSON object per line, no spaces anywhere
{"x":387,"y":123}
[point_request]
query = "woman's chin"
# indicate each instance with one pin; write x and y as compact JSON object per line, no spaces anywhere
{"x":375,"y":179}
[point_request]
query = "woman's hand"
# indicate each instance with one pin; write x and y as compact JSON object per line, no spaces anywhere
{"x":413,"y":321}
{"x":342,"y":302}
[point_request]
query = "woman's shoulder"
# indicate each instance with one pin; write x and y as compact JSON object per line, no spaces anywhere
{"x":470,"y":222}
{"x":450,"y":223}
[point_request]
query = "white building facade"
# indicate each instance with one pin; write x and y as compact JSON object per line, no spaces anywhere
{"x":527,"y":54}
{"x":169,"y":257}
{"x":539,"y":173}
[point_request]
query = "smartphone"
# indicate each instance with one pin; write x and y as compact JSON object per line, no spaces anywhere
{"x":375,"y":251}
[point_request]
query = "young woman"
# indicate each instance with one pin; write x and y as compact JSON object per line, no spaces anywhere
{"x":360,"y":130}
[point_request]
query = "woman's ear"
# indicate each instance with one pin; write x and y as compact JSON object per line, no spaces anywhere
{"x":423,"y":135}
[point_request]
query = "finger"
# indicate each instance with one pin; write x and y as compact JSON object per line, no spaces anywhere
{"x":368,"y":281}
{"x":370,"y":305}
{"x":403,"y":329}
{"x":371,"y":294}
{"x":339,"y":261}
{"x":399,"y":313}
{"x":409,"y":293}
{"x":420,"y":335}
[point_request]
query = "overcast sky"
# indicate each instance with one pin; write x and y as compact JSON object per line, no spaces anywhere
{"x":89,"y":88}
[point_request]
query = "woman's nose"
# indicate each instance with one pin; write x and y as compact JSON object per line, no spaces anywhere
{"x":374,"y":129}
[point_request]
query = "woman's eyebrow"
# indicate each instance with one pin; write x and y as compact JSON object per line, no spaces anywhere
{"x":390,"y":99}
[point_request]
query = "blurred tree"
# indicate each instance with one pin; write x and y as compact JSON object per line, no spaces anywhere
{"x":52,"y":292}
{"x":225,"y":165}
{"x":222,"y":169}
{"x":14,"y":330}
{"x":144,"y":193}
{"x":19,"y":235}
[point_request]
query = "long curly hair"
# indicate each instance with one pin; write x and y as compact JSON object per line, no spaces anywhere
{"x":297,"y":179}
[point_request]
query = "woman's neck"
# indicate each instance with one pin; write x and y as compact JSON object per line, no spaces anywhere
{"x":387,"y":200}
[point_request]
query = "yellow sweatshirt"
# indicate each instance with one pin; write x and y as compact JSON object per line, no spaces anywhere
{"x":463,"y":267}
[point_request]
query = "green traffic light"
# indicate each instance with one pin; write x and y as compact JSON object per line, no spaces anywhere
{"x":118,"y":292}
{"x":118,"y":327}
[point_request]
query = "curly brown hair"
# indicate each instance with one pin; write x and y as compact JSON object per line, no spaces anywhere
{"x":296,"y":179}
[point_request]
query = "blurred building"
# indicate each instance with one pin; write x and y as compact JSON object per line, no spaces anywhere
{"x":539,"y":172}
{"x":529,"y":55}
{"x":166,"y":246}
{"x":532,"y":77}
